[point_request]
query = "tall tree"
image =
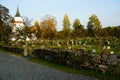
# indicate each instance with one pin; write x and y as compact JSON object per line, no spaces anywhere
{"x":78,"y":28}
{"x":94,"y":25}
{"x":66,"y":26}
{"x":48,"y":27}
{"x":76,"y":24}
{"x":37,"y":29}
{"x":5,"y":24}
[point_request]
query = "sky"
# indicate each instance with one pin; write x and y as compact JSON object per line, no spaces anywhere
{"x":108,"y":11}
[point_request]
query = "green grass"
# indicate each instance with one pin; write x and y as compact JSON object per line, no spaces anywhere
{"x":68,"y":69}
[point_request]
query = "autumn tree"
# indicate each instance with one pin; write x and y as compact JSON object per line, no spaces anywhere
{"x":78,"y":28}
{"x":94,"y":26}
{"x":48,"y":27}
{"x":76,"y":23}
{"x":36,"y":30}
{"x":5,"y":24}
{"x":66,"y":26}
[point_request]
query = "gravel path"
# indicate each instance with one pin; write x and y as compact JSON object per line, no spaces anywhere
{"x":18,"y":68}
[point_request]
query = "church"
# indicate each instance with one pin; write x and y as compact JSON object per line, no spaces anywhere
{"x":18,"y":21}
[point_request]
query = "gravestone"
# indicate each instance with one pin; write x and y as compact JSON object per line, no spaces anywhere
{"x":94,"y":50}
{"x":79,"y":42}
{"x":25,"y":50}
{"x":72,"y":42}
{"x":76,"y":42}
{"x":113,"y":59}
{"x":96,"y":58}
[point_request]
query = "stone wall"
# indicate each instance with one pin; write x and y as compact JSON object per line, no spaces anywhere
{"x":12,"y":49}
{"x":106,"y":63}
{"x":79,"y":60}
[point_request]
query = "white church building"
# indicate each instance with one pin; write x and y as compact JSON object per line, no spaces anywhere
{"x":18,"y":21}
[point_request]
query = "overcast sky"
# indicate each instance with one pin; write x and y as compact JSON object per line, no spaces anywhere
{"x":108,"y":11}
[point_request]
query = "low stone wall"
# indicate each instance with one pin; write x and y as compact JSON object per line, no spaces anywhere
{"x":109,"y":64}
{"x":77,"y":59}
{"x":12,"y":49}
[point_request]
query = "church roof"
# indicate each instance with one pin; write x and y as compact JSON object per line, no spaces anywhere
{"x":17,"y":13}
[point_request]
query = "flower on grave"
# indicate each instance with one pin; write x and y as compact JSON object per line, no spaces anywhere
{"x":33,"y":45}
{"x":84,"y":44}
{"x":108,"y":47}
{"x":111,"y":52}
{"x":42,"y":46}
{"x":104,"y":47}
{"x":69,"y":47}
{"x":94,"y":50}
{"x":107,"y":42}
{"x":58,"y":45}
{"x":82,"y":49}
{"x":67,"y":42}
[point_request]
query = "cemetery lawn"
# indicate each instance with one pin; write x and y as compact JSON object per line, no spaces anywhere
{"x":68,"y":69}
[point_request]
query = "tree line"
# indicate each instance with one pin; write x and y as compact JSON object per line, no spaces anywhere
{"x":47,"y":28}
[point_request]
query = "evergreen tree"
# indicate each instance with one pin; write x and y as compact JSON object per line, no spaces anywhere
{"x":5,"y":24}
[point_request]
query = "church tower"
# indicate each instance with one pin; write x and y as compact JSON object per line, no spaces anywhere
{"x":18,"y":21}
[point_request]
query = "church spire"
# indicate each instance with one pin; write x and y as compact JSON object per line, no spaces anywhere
{"x":17,"y":12}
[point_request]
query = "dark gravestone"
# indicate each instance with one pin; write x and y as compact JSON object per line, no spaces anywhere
{"x":112,"y":59}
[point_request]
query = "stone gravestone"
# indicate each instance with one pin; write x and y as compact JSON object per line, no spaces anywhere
{"x":79,"y":41}
{"x":67,"y":42}
{"x":96,"y":58}
{"x":58,"y":43}
{"x":94,"y":50}
{"x":72,"y":42}
{"x":25,"y":50}
{"x":112,"y":59}
{"x":76,"y":42}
